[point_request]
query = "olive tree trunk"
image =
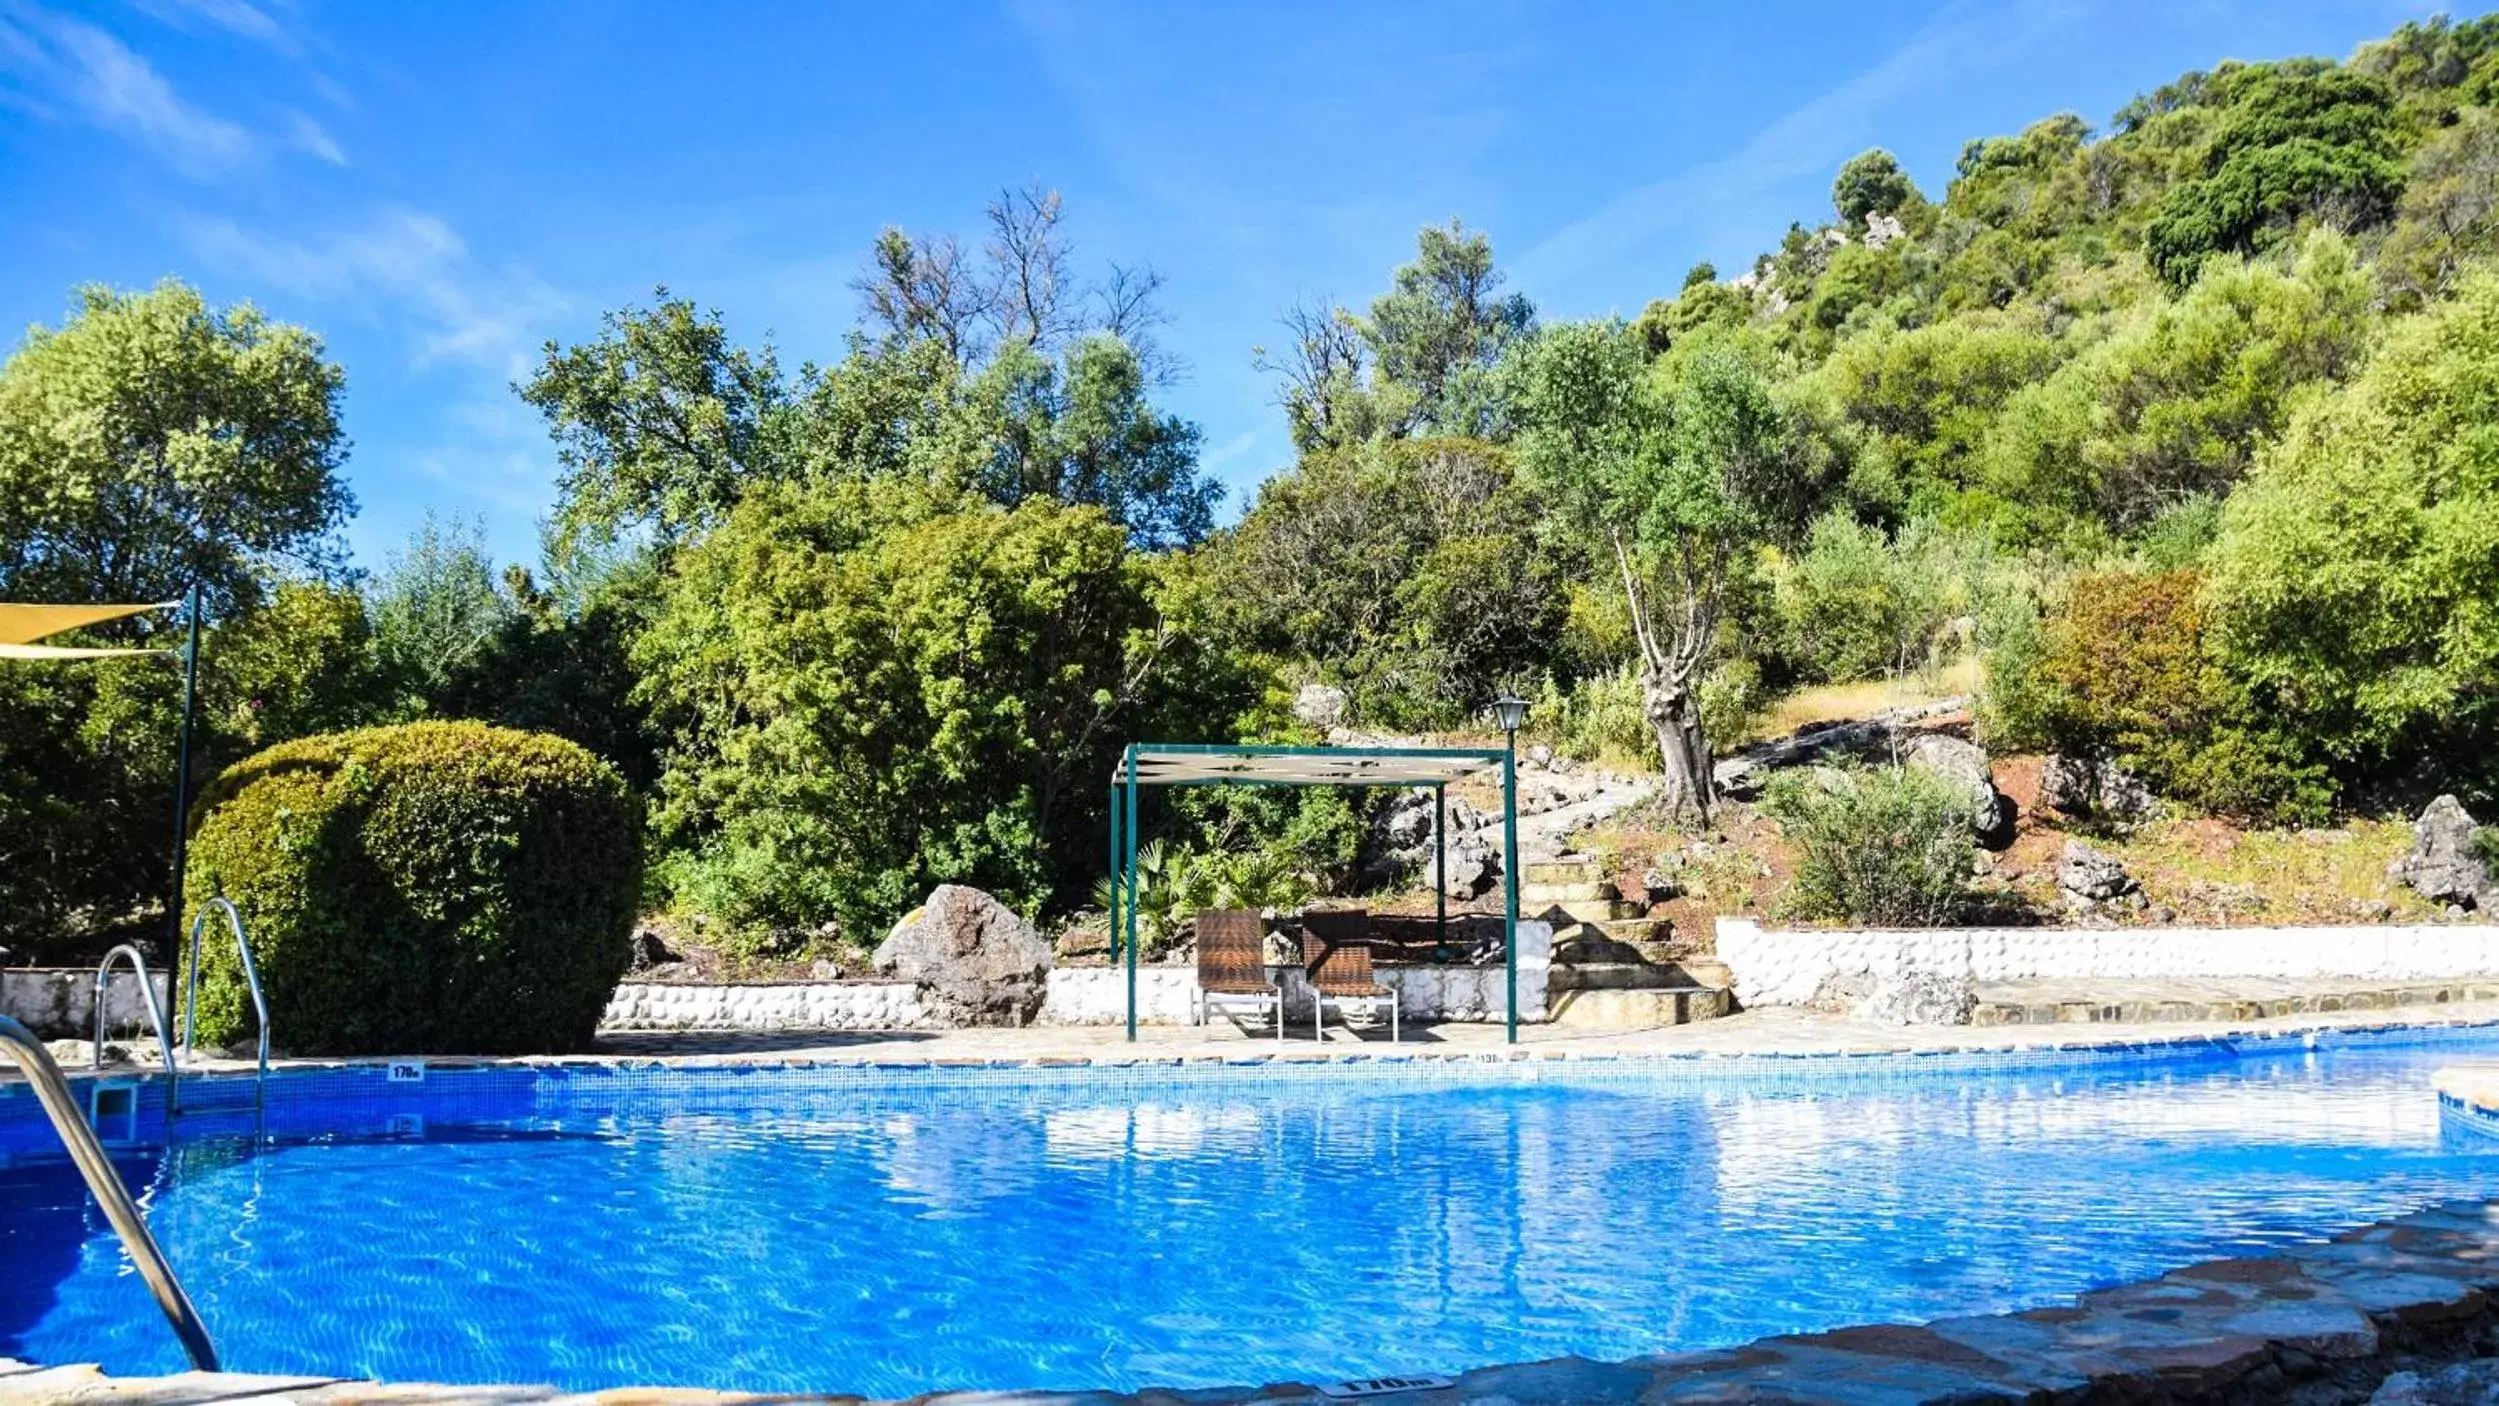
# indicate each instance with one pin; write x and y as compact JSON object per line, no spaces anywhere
{"x":1670,"y":663}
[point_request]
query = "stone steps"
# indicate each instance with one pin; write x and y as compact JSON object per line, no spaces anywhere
{"x":1586,"y":910}
{"x":1562,"y":871}
{"x":1533,"y":894}
{"x":2207,"y":999}
{"x":1625,"y":976}
{"x":1606,"y":1009}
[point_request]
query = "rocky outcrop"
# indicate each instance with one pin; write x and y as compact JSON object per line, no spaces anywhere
{"x":1964,"y":764}
{"x":975,"y":960}
{"x":2088,"y":878}
{"x":1400,"y":844}
{"x":2095,"y":788}
{"x":2444,"y":865}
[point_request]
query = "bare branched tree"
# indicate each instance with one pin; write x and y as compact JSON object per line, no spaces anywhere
{"x":1020,"y":287}
{"x":1317,"y":370}
{"x":1028,"y":262}
{"x":918,"y":288}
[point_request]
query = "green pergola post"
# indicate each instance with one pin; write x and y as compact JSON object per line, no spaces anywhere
{"x":1440,"y":869}
{"x":1111,"y":919}
{"x":1509,"y":877}
{"x":1130,"y":907}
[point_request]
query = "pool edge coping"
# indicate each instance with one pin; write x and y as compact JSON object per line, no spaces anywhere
{"x":2422,"y":1283}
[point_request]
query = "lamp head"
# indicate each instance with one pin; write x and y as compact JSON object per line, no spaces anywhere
{"x":1510,"y":711}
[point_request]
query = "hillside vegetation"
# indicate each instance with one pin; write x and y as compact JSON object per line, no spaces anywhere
{"x":2179,"y":433}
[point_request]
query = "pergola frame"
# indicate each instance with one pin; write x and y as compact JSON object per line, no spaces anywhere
{"x":1218,"y":764}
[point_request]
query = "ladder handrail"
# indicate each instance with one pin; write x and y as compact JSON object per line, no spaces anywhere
{"x":106,"y":1186}
{"x":251,"y":976}
{"x":156,"y":1015}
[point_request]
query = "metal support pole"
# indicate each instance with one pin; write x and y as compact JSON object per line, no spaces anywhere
{"x":1440,"y":869}
{"x":1509,"y":875}
{"x":182,"y":771}
{"x":1112,"y":918}
{"x":1131,"y":905}
{"x":52,"y":1091}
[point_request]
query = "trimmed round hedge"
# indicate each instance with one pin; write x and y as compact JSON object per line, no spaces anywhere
{"x":431,"y":888}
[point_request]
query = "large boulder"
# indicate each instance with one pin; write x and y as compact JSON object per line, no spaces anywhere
{"x":2098,"y":788}
{"x":1964,"y":764}
{"x":975,"y":960}
{"x":2444,"y":866}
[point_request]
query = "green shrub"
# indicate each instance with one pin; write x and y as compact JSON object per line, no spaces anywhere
{"x":434,"y":888}
{"x":1888,"y":846}
{"x":2132,"y":674}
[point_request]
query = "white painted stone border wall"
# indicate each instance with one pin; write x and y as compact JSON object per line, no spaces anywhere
{"x":1076,"y":996}
{"x":58,"y":1003}
{"x":1773,"y":968}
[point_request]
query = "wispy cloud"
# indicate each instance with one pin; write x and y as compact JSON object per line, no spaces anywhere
{"x":467,"y":332}
{"x":1812,"y":138}
{"x":85,"y":71}
{"x":1229,"y":450}
{"x":233,"y":16}
{"x":306,"y":135}
{"x":400,"y":264}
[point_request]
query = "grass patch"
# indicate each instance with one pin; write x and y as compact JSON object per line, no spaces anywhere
{"x":2211,"y":872}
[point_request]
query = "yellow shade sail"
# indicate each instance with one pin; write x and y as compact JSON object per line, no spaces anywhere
{"x":25,"y":624}
{"x":64,"y":651}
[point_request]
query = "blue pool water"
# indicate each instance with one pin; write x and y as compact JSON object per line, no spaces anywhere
{"x":904,"y":1232}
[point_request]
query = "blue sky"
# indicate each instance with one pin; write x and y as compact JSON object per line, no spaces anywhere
{"x":438,"y":189}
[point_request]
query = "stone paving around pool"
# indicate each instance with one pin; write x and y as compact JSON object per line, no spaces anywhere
{"x":1770,"y":1031}
{"x":2370,"y":1315}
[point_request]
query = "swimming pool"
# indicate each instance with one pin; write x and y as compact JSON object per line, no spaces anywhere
{"x":892,"y":1232}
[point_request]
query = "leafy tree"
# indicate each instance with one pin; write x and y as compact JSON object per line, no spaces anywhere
{"x":1422,"y":363}
{"x":1083,"y":432}
{"x":2352,"y":583}
{"x":152,"y":441}
{"x":1678,"y":469}
{"x":2294,"y":141}
{"x":1914,"y":408}
{"x":2175,"y":401}
{"x":1406,"y":570}
{"x":303,"y":662}
{"x":871,"y":688}
{"x":149,"y":442}
{"x":661,"y":423}
{"x":1871,"y":183}
{"x":2449,"y":213}
{"x":436,"y":612}
{"x":1441,"y":327}
{"x":1855,"y":605}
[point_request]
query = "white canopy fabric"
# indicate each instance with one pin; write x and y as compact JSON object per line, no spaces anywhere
{"x":1169,"y":764}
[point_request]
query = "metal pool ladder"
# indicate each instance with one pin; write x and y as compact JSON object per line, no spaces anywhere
{"x":106,"y":1184}
{"x":251,"y":977}
{"x":156,"y":1018}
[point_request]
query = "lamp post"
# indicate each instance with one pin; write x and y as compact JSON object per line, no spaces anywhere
{"x":1509,"y":710}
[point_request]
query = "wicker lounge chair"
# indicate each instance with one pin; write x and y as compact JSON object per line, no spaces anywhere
{"x":1232,"y":965}
{"x":1336,"y":960}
